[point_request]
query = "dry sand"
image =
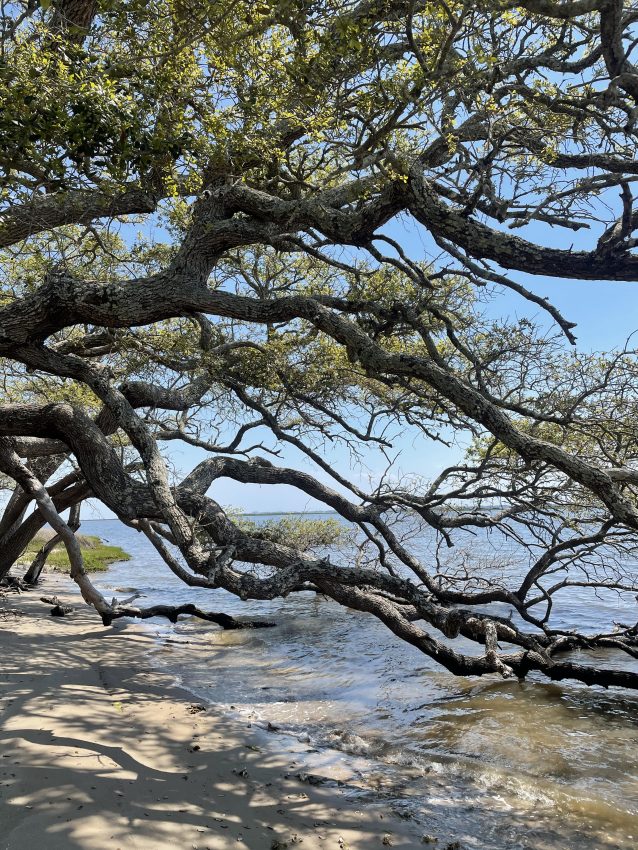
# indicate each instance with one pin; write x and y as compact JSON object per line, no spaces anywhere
{"x":98,"y":750}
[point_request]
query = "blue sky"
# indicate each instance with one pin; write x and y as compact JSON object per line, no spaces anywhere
{"x":606,"y":314}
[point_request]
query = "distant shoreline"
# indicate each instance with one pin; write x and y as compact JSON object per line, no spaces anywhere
{"x":244,"y":513}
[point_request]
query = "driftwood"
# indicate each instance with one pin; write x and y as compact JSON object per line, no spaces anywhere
{"x":172,"y":612}
{"x":59,"y":608}
{"x":13,"y":583}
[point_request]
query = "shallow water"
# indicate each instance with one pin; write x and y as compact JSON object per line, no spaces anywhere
{"x":492,"y":763}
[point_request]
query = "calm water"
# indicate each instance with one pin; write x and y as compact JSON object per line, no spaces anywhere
{"x":491,"y":763}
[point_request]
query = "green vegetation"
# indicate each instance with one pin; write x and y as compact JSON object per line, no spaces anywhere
{"x":98,"y":556}
{"x":295,"y":530}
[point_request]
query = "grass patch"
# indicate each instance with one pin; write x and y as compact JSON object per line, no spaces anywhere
{"x":97,"y":555}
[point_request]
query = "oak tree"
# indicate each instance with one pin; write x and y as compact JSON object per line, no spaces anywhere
{"x":265,"y":229}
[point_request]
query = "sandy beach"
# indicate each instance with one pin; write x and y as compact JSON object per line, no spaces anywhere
{"x":99,"y":750}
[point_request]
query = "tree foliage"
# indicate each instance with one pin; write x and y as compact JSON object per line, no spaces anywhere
{"x":272,"y":230}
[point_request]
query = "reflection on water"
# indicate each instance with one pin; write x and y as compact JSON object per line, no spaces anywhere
{"x":497,"y":764}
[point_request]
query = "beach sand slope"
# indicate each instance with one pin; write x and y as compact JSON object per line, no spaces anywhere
{"x":98,"y":750}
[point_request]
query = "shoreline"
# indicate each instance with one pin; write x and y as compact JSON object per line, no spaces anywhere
{"x":101,"y":750}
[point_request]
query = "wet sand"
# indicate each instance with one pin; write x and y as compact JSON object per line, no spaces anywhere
{"x":98,"y":750}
